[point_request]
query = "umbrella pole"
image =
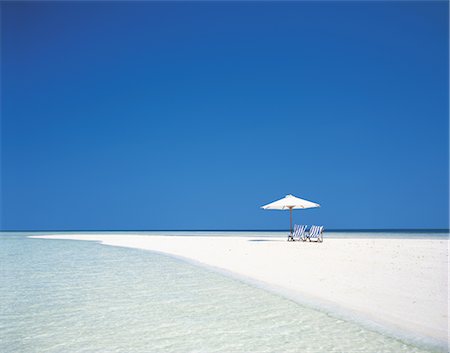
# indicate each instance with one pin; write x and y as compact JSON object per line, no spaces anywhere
{"x":290,"y":216}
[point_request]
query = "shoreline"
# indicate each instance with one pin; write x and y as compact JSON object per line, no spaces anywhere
{"x":399,"y":289}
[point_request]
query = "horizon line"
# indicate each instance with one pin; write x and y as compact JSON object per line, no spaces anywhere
{"x":439,"y":230}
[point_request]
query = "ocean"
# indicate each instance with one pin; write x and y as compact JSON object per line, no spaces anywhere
{"x":77,"y":296}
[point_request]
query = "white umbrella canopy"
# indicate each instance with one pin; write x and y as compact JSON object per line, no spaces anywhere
{"x":290,"y":202}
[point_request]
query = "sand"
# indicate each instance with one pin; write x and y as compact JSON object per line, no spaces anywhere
{"x":397,"y":285}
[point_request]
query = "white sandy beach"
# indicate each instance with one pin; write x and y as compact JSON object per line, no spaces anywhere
{"x":399,"y":284}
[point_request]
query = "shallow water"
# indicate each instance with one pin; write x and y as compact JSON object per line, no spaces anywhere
{"x":74,"y":296}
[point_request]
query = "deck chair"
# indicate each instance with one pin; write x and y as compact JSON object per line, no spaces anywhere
{"x":316,"y":234}
{"x":291,"y":235}
{"x":299,"y":233}
{"x":311,"y":232}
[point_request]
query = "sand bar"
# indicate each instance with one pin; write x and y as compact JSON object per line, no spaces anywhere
{"x":397,"y":284}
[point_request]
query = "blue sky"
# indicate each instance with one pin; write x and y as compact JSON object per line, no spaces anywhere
{"x":191,"y":115}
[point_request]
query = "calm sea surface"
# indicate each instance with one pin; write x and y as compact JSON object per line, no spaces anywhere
{"x":75,"y":296}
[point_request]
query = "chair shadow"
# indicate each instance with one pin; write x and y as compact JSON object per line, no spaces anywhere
{"x":264,"y":240}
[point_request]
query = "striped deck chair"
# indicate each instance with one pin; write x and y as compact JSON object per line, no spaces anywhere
{"x":292,"y":235}
{"x":305,"y":235}
{"x":311,"y":232}
{"x":299,"y":233}
{"x":315,"y":234}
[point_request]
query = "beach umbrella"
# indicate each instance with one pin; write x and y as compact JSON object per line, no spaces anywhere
{"x":290,"y":202}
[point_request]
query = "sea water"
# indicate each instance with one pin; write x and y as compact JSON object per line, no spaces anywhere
{"x":77,"y":296}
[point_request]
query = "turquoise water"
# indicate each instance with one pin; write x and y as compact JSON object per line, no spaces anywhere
{"x":75,"y":296}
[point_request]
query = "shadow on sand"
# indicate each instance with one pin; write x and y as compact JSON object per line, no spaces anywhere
{"x":265,"y":240}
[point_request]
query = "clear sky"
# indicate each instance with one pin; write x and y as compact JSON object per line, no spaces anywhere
{"x":191,"y":115}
